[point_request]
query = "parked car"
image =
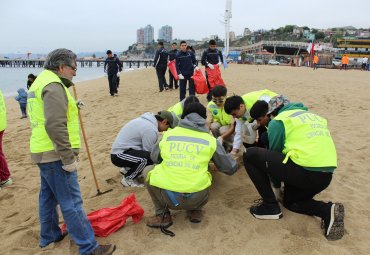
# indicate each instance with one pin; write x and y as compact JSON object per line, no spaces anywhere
{"x":273,"y":62}
{"x":336,"y":62}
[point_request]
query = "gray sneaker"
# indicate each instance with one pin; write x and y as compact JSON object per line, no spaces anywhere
{"x":333,"y":222}
{"x":131,"y":183}
{"x":106,"y":249}
{"x":124,"y":170}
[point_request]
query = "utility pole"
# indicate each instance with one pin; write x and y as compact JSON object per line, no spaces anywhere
{"x":228,"y":16}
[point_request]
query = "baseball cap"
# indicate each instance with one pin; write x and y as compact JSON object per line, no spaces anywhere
{"x":276,"y":101}
{"x":168,"y":116}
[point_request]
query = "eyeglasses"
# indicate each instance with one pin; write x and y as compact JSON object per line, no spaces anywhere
{"x":218,"y":100}
{"x":74,"y":68}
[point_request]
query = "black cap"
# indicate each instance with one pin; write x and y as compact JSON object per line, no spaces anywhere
{"x":109,"y":52}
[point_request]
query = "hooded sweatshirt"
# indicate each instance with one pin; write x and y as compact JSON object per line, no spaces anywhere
{"x":223,"y":161}
{"x":138,"y":134}
{"x":22,"y":96}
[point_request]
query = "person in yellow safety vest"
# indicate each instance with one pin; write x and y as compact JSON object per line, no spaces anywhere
{"x":181,"y":180}
{"x":5,"y":179}
{"x":54,"y":145}
{"x":219,"y":122}
{"x":246,"y":128}
{"x":178,"y":108}
{"x":302,"y":155}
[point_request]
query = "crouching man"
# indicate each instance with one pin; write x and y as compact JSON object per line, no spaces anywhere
{"x":181,"y":180}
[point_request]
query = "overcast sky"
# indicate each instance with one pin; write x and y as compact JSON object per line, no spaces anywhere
{"x":40,"y":26}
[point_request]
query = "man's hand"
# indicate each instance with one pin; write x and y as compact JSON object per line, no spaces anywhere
{"x":210,"y":66}
{"x":71,"y":167}
{"x":118,"y":74}
{"x":219,"y":64}
{"x":196,"y":68}
{"x":79,"y":104}
{"x":234,"y":151}
{"x":181,"y":77}
{"x":255,"y":125}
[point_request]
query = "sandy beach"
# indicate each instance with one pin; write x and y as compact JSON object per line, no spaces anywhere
{"x":343,"y":97}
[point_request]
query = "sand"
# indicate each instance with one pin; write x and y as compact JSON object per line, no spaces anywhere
{"x":228,"y":228}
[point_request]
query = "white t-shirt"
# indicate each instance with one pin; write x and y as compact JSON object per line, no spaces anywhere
{"x":364,"y":60}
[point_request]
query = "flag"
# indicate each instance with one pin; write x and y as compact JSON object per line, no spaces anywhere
{"x":311,"y":48}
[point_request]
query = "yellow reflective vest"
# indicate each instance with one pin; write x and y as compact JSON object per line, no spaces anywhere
{"x":308,"y":142}
{"x":2,"y":112}
{"x":219,"y":115}
{"x":186,"y":154}
{"x":40,"y":141}
{"x":251,"y":98}
{"x":176,"y":109}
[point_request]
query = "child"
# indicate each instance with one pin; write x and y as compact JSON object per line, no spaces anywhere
{"x":22,"y":99}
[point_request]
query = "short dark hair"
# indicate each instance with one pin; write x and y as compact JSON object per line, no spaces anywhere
{"x":182,"y":42}
{"x":219,"y":91}
{"x":32,"y":76}
{"x":194,"y":107}
{"x":259,"y":109}
{"x":109,"y":52}
{"x":212,"y":42}
{"x":233,"y":103}
{"x":160,"y":43}
{"x":190,"y":99}
{"x":174,"y":43}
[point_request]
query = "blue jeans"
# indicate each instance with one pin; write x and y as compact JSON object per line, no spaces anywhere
{"x":61,"y":187}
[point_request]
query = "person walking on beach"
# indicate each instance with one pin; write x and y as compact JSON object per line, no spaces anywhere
{"x":302,"y":155}
{"x":182,"y":181}
{"x":5,"y":179}
{"x":315,"y":61}
{"x":211,"y":57}
{"x":118,"y":74}
{"x":345,"y":62}
{"x":246,"y":128}
{"x":31,"y":78}
{"x":54,"y":145}
{"x":365,"y":60}
{"x":134,"y":142}
{"x":22,"y":100}
{"x":172,"y":56}
{"x":112,"y":66}
{"x":185,"y":65}
{"x":160,"y":64}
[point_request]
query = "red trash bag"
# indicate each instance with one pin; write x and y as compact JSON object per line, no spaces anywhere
{"x":200,"y":82}
{"x":214,"y":77}
{"x":105,"y":221}
{"x":172,"y":66}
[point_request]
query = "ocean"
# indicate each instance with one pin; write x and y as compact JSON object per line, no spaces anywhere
{"x":13,"y":78}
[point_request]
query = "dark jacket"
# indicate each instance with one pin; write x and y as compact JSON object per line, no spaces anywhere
{"x":112,"y":66}
{"x":185,"y":63}
{"x":172,"y":54}
{"x":160,"y":59}
{"x":212,"y":57}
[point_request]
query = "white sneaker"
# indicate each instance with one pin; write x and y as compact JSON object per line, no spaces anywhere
{"x":131,"y":183}
{"x":124,"y":170}
{"x":7,"y":182}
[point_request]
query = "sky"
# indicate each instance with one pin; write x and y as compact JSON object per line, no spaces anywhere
{"x":39,"y":26}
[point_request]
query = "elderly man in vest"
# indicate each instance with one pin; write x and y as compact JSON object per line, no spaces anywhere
{"x":302,"y":155}
{"x":181,"y":181}
{"x":54,"y":144}
{"x":246,"y":128}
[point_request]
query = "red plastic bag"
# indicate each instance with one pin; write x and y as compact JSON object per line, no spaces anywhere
{"x":172,"y":66}
{"x":105,"y":221}
{"x":214,"y":77}
{"x":200,"y":82}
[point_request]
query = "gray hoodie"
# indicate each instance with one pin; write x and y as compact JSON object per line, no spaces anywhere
{"x":138,"y":134}
{"x":223,"y":161}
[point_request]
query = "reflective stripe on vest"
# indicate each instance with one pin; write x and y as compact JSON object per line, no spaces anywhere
{"x":176,"y":109}
{"x":2,"y":112}
{"x":186,"y":154}
{"x":219,"y":115}
{"x":308,"y":142}
{"x":40,"y":141}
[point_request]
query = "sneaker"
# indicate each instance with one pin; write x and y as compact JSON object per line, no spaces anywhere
{"x":265,"y":211}
{"x":64,"y":234}
{"x":195,"y":216}
{"x":333,"y":223}
{"x":131,"y":182}
{"x":157,"y":221}
{"x":102,"y":249}
{"x":124,"y":170}
{"x":7,"y":182}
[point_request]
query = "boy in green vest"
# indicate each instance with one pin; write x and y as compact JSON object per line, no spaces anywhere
{"x":302,"y":155}
{"x":181,"y":180}
{"x":219,"y":122}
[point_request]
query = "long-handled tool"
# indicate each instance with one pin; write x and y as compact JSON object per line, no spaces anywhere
{"x":88,"y":151}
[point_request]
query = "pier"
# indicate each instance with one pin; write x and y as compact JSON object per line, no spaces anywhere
{"x":38,"y":63}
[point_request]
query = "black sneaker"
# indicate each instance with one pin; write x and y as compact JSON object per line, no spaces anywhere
{"x":106,"y":249}
{"x":265,"y":211}
{"x":333,"y":221}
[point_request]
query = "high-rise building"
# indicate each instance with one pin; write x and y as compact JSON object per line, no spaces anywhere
{"x":232,"y":36}
{"x":247,"y":32}
{"x":140,"y":36}
{"x":148,"y":34}
{"x":165,"y":33}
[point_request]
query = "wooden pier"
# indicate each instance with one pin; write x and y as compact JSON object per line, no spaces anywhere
{"x":37,"y":63}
